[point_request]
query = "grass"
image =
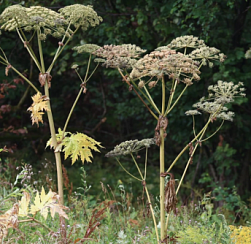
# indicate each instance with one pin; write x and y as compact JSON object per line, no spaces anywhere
{"x":112,"y":217}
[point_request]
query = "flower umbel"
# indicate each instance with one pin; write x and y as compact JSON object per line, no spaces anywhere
{"x":184,"y":42}
{"x":129,"y":147}
{"x":219,"y":95}
{"x":33,"y":18}
{"x":207,"y":54}
{"x":87,"y":48}
{"x":80,"y":16}
{"x":224,"y":92}
{"x":166,"y":62}
{"x":119,"y":56}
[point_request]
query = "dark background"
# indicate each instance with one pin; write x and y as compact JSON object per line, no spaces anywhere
{"x":221,"y":165}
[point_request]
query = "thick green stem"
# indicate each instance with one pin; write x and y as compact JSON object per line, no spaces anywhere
{"x":54,"y":143}
{"x":52,"y":130}
{"x":162,"y":185}
{"x":162,"y":168}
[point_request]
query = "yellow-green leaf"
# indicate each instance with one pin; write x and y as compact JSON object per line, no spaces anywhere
{"x":75,"y":146}
{"x":44,"y":202}
{"x":24,"y":205}
{"x":79,"y":146}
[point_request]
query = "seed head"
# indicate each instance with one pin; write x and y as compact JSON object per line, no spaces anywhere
{"x":207,"y":55}
{"x":129,"y":147}
{"x":166,"y":62}
{"x":49,"y":21}
{"x":219,"y":95}
{"x":225,"y":92}
{"x":119,"y":56}
{"x":33,"y":18}
{"x":141,"y":84}
{"x":226,"y":115}
{"x":87,"y":48}
{"x":184,"y":42}
{"x":192,"y":112}
{"x":80,"y":16}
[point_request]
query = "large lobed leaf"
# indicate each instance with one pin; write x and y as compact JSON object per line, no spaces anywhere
{"x":75,"y":146}
{"x":42,"y":203}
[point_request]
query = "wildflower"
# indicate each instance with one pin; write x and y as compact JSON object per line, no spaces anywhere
{"x":210,"y":107}
{"x":80,"y":16}
{"x":226,"y":115}
{"x":33,"y":18}
{"x":192,"y":112}
{"x":207,"y":54}
{"x":166,"y":62}
{"x":224,"y":92}
{"x":184,"y":42}
{"x":129,"y":147}
{"x":47,"y":21}
{"x":219,"y":95}
{"x":88,"y":48}
{"x":119,"y":56}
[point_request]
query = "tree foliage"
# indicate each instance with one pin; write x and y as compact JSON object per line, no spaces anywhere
{"x":148,"y":24}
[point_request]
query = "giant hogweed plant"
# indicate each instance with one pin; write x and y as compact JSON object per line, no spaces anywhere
{"x":176,"y":64}
{"x":38,"y":23}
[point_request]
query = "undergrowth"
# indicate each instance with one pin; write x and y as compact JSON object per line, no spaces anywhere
{"x":113,"y":218}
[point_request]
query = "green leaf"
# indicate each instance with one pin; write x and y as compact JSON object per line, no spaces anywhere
{"x":76,"y":146}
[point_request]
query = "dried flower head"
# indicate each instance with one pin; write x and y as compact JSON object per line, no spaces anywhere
{"x":219,"y":95}
{"x":184,"y":42}
{"x":129,"y":147}
{"x":210,"y":107}
{"x":166,"y":62}
{"x":119,"y":56}
{"x":152,"y":84}
{"x":124,"y":50}
{"x":141,"y":84}
{"x":225,"y":92}
{"x":80,"y":16}
{"x":207,"y":55}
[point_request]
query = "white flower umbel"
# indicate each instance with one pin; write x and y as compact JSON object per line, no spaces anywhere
{"x":225,"y":92}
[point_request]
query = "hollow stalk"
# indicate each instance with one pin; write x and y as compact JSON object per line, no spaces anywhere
{"x":52,"y":128}
{"x":162,"y":168}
